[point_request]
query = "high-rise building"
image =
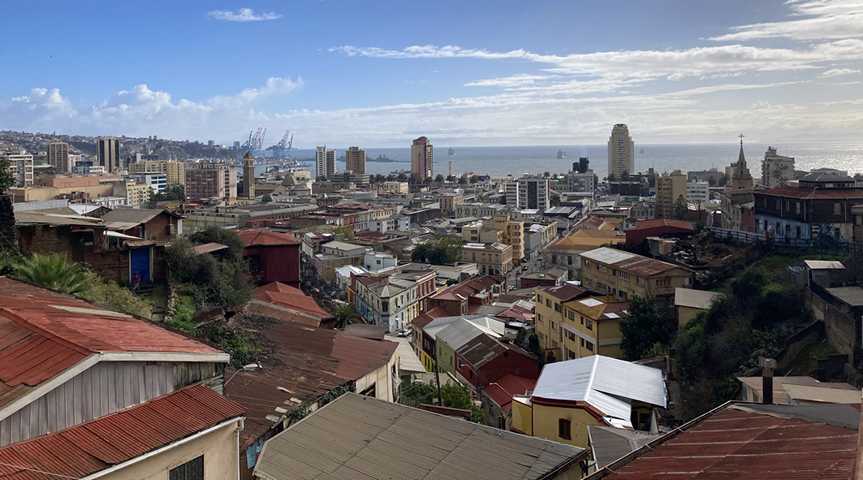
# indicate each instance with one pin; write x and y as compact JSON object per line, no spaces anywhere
{"x":20,"y":168}
{"x":58,"y":157}
{"x":325,"y":162}
{"x":530,"y":193}
{"x":670,"y":192}
{"x":205,"y":180}
{"x":355,"y":160}
{"x":108,"y":153}
{"x":422,"y":159}
{"x":582,"y":165}
{"x":230,"y":183}
{"x":175,"y":171}
{"x":698,"y":191}
{"x":249,"y":176}
{"x":621,"y":152}
{"x":776,"y":169}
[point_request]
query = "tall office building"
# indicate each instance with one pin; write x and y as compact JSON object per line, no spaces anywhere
{"x":249,"y":176}
{"x":776,"y":169}
{"x":530,"y":193}
{"x":671,"y":190}
{"x":108,"y":152}
{"x":325,"y":162}
{"x":422,"y":159}
{"x":621,"y":152}
{"x":355,"y":160}
{"x":58,"y":157}
{"x":206,"y":181}
{"x":175,"y":171}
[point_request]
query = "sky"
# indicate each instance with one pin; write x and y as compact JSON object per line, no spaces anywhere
{"x":479,"y":72}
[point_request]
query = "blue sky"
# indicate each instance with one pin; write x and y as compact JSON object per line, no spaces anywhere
{"x":464,"y":73}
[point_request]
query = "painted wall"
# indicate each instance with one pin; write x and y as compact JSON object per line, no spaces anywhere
{"x":219,"y":449}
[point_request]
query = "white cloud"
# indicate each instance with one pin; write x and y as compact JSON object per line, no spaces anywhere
{"x":243,"y":15}
{"x":838,"y":72}
{"x":519,"y":80}
{"x":810,"y":20}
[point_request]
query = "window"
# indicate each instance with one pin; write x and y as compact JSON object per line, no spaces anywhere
{"x":589,"y":346}
{"x":564,"y":427}
{"x":588,"y":323}
{"x":191,"y":470}
{"x":837,"y":208}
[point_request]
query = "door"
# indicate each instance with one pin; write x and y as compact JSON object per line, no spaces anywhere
{"x":139,"y":266}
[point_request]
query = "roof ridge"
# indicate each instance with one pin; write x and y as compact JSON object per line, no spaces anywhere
{"x":44,"y":332}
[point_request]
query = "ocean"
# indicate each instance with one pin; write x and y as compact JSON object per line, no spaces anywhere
{"x":499,"y":161}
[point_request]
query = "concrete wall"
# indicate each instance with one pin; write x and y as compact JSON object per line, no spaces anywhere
{"x":219,"y":448}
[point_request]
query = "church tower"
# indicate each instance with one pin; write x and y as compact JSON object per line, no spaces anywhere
{"x":741,"y":179}
{"x":249,"y":175}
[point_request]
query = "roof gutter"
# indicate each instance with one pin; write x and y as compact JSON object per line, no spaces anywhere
{"x":163,"y":449}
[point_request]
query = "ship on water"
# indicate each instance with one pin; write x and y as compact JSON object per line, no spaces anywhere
{"x":561,"y":155}
{"x":451,"y":152}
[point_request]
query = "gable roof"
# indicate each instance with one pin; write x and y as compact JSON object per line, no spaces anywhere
{"x":607,"y":384}
{"x":126,"y":218}
{"x":44,"y":334}
{"x":362,"y":437}
{"x":504,"y":388}
{"x":262,"y":237}
{"x":609,"y":443}
{"x":116,"y":439}
{"x":586,"y":239}
{"x":305,"y":363}
{"x":565,"y":292}
{"x":465,"y":289}
{"x":630,"y":262}
{"x":742,"y":440}
{"x":662,"y":222}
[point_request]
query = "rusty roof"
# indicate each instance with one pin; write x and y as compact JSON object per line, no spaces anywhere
{"x":662,"y":222}
{"x":565,"y":292}
{"x":304,"y":364}
{"x":263,"y":237}
{"x":284,"y":302}
{"x":740,"y":440}
{"x":806,"y":193}
{"x":43,"y":333}
{"x":503,"y":389}
{"x":114,"y":439}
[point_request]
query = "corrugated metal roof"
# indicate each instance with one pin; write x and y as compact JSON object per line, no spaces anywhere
{"x":117,"y":438}
{"x":824,"y":265}
{"x":765,"y":442}
{"x":364,"y":438}
{"x":43,"y":333}
{"x":303,"y":364}
{"x":701,"y":299}
{"x":853,"y":296}
{"x":609,"y":444}
{"x":262,"y":237}
{"x":408,"y":360}
{"x":608,"y":384}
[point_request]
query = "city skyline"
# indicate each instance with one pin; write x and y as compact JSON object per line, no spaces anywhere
{"x":778,"y":70}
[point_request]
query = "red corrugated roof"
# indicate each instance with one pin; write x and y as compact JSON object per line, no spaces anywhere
{"x":117,"y":438}
{"x":304,"y":364}
{"x":502,"y":391}
{"x":466,"y":288}
{"x":262,"y":237}
{"x":289,"y":297}
{"x":43,"y":333}
{"x":737,"y":442}
{"x":812,"y":193}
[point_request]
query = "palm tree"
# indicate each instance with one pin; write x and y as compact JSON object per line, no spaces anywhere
{"x":53,"y":271}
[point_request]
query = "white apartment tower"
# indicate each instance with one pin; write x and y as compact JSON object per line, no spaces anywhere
{"x":422,"y":159}
{"x":621,"y":152}
{"x":325,"y":162}
{"x":529,"y":193}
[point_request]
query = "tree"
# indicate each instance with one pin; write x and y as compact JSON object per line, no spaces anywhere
{"x":221,"y":283}
{"x":439,"y":178}
{"x":214,"y":234}
{"x":6,"y":178}
{"x":441,"y":251}
{"x":53,"y":271}
{"x":266,"y":198}
{"x":344,"y":313}
{"x":646,"y":326}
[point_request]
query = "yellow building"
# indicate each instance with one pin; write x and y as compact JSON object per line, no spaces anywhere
{"x":627,"y":275}
{"x":572,"y":395}
{"x":564,"y":253}
{"x":137,"y":194}
{"x":670,"y":190}
{"x":591,"y":326}
{"x":491,"y":258}
{"x":549,"y":317}
{"x":499,"y":229}
{"x":175,"y":171}
{"x":689,"y":303}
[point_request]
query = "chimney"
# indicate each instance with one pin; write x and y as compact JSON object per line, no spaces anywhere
{"x":767,"y":367}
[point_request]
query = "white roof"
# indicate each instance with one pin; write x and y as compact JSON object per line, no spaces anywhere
{"x":824,"y":265}
{"x":590,"y":302}
{"x":347,"y":270}
{"x":607,"y":384}
{"x":607,"y":255}
{"x":408,"y":360}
